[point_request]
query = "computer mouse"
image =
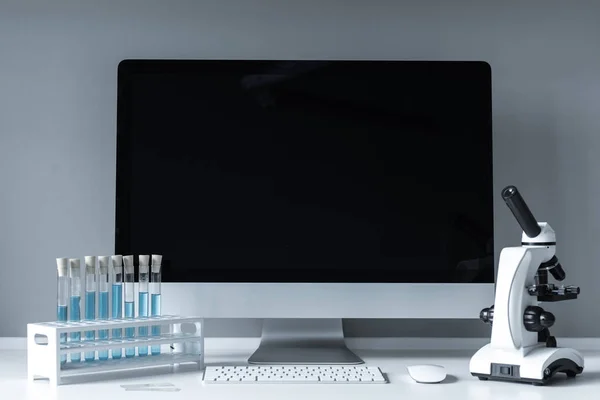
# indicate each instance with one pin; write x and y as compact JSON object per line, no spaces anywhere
{"x":427,"y":373}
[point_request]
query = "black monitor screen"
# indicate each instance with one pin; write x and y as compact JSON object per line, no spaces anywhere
{"x":307,"y":171}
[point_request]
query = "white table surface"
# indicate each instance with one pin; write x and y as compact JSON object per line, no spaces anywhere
{"x":459,"y":384}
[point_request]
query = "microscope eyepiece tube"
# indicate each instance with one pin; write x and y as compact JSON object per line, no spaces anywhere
{"x":522,"y":213}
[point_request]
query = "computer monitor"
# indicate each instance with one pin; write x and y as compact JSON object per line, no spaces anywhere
{"x":304,"y":192}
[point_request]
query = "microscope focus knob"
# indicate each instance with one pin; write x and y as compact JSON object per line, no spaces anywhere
{"x":487,"y":315}
{"x":536,"y":319}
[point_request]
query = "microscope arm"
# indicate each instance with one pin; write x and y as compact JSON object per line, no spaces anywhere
{"x":516,"y":271}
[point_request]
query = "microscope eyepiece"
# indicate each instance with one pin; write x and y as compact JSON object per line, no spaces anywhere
{"x":509,"y":191}
{"x":521,"y":211}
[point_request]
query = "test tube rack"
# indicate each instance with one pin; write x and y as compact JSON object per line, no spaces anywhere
{"x":185,"y":337}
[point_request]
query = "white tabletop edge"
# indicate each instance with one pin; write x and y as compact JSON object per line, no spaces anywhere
{"x":363,"y":343}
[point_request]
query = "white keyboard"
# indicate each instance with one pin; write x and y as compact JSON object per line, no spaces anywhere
{"x":293,"y":374}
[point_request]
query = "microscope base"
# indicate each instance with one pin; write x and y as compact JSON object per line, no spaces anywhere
{"x":537,"y":367}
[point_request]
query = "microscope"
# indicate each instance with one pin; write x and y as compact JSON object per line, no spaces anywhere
{"x":521,"y":347}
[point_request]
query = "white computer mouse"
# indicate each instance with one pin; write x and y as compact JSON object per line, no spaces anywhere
{"x":427,"y":373}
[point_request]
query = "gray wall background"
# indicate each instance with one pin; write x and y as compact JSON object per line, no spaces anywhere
{"x":57,"y":119}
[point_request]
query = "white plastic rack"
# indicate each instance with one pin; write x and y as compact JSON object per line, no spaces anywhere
{"x":44,"y":350}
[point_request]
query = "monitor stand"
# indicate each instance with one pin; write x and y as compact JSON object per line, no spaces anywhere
{"x":303,"y":341}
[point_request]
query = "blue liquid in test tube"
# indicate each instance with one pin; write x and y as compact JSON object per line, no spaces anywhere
{"x":130,"y":332}
{"x":75,"y":316}
{"x":61,"y":316}
{"x":117,"y":300}
{"x":117,"y":313}
{"x":129,"y":301}
{"x":75,"y":303}
{"x":103,"y":284}
{"x":90,"y":301}
{"x":143,"y":312}
{"x":143,"y":279}
{"x":103,"y":314}
{"x":63,"y":286}
{"x":155,"y":281}
{"x":155,"y":299}
{"x":90,"y":314}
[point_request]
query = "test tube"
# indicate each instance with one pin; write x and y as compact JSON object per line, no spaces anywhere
{"x":75,"y":314}
{"x":90,"y":301}
{"x":63,"y":284}
{"x":155,"y":279}
{"x":117,"y":299}
{"x":143,"y":299}
{"x":103,"y":301}
{"x":129,"y":301}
